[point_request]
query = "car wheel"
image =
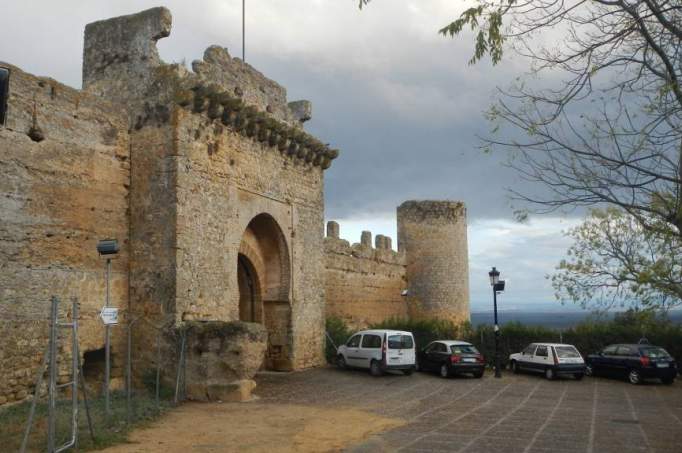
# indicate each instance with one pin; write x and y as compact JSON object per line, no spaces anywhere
{"x":668,"y":381}
{"x":478,"y":375}
{"x":375,"y":368}
{"x":408,"y":371}
{"x":578,"y":376}
{"x":515,"y":367}
{"x":444,"y":370}
{"x":634,"y":377}
{"x":549,"y":373}
{"x":341,"y":362}
{"x":589,"y":371}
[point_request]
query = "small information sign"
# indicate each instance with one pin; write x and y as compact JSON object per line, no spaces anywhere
{"x":109,"y":315}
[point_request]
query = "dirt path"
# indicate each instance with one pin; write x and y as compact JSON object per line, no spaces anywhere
{"x":255,"y":427}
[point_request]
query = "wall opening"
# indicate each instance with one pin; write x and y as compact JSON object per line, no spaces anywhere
{"x":250,"y":303}
{"x":94,"y":364}
{"x":264,"y":261}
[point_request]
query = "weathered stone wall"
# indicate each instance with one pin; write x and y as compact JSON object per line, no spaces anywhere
{"x":363,"y":283}
{"x":240,"y":179}
{"x":64,"y":161}
{"x":198,"y":181}
{"x":433,"y":236}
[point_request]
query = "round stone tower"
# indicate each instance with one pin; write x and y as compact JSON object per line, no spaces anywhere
{"x":433,"y":235}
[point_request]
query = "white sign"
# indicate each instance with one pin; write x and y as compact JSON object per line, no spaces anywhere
{"x":109,"y":315}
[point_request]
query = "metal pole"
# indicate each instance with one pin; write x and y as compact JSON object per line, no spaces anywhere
{"x":158,"y":368}
{"x":180,"y":363}
{"x":36,"y":394}
{"x":129,"y":371}
{"x":75,"y":367}
{"x":85,"y":394}
{"x":244,"y":31}
{"x":107,"y":349}
{"x":51,"y":390}
{"x":498,"y":371}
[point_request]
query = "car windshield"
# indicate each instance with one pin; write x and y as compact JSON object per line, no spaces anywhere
{"x":463,"y":349}
{"x":400,"y":342}
{"x":654,"y":352}
{"x":567,"y":352}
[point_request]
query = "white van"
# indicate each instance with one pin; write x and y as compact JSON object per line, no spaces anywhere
{"x":378,"y":351}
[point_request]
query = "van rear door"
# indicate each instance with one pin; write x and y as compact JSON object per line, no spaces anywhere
{"x":400,"y":349}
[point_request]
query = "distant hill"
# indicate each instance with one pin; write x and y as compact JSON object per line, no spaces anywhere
{"x":555,"y":320}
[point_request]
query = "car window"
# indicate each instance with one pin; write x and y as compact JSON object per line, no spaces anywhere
{"x":654,"y":352}
{"x":463,"y":349}
{"x":542,"y":351}
{"x":610,"y":350}
{"x":624,"y":351}
{"x":431,"y":347}
{"x":400,"y":342}
{"x":354,"y":342}
{"x":371,"y":341}
{"x":567,"y":352}
{"x":530,"y":349}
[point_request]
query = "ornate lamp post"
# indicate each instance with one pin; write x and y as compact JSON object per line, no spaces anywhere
{"x":498,"y":286}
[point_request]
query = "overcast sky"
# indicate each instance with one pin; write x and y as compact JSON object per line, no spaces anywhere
{"x":398,"y":100}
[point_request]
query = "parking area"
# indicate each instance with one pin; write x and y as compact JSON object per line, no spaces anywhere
{"x":518,"y":413}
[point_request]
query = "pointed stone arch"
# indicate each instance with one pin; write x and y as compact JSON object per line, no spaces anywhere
{"x":264,"y":276}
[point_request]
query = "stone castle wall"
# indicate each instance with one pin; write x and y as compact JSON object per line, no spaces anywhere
{"x":363,"y":284}
{"x":192,"y":171}
{"x":65,"y":169}
{"x":433,"y":236}
{"x":204,"y":170}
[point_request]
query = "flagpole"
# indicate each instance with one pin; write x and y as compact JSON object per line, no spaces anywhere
{"x":244,"y":31}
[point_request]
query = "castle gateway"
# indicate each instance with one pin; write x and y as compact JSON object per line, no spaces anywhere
{"x":215,"y":193}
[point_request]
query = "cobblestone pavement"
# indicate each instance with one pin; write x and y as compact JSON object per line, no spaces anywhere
{"x":518,"y":413}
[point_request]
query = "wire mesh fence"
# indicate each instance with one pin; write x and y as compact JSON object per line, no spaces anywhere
{"x":67,"y":409}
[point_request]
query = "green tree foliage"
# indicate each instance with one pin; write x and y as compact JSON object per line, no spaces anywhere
{"x":614,"y":261}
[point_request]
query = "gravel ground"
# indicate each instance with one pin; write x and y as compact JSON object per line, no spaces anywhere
{"x":518,"y":413}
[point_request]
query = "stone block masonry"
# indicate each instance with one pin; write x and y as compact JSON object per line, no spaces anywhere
{"x":433,"y":236}
{"x":65,"y":166}
{"x":428,"y":277}
{"x":215,"y":193}
{"x":226,"y":189}
{"x":363,"y":285}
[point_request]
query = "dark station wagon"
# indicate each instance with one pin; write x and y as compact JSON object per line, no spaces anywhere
{"x":634,"y":361}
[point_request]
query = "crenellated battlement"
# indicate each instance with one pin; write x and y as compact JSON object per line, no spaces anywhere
{"x":121,"y":63}
{"x":382,"y":251}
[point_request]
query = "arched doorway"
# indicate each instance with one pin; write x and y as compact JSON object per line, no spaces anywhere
{"x":263,"y":274}
{"x":250,"y":303}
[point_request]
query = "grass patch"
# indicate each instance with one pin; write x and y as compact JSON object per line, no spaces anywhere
{"x":108,"y":430}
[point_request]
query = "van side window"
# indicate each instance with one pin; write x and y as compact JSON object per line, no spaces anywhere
{"x":542,"y":351}
{"x":354,"y":342}
{"x":371,"y":341}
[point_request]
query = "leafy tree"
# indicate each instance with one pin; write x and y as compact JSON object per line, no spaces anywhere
{"x":614,"y":261}
{"x":596,"y":123}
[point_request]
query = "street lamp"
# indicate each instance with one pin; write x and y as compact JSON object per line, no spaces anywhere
{"x":498,"y":286}
{"x":107,"y":248}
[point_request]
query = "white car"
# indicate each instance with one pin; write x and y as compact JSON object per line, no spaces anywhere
{"x":378,"y":351}
{"x":550,"y":359}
